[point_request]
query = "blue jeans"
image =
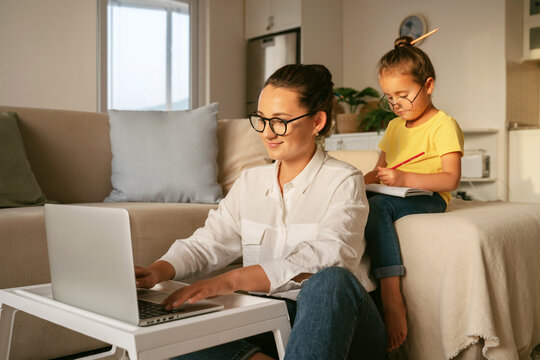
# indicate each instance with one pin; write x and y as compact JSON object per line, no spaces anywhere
{"x":333,"y":317}
{"x":381,"y":237}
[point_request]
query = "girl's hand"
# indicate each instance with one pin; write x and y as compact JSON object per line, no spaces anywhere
{"x":371,"y":177}
{"x":208,"y":288}
{"x":391,"y":177}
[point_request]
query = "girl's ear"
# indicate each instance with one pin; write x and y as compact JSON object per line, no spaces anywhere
{"x":430,"y":85}
{"x":320,"y":122}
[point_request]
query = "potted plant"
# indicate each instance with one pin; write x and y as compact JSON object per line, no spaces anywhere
{"x":375,"y":119}
{"x":348,"y":122}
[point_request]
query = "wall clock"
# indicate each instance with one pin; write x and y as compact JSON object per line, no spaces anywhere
{"x":413,"y":26}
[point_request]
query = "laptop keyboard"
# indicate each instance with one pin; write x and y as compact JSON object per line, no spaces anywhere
{"x":149,"y":310}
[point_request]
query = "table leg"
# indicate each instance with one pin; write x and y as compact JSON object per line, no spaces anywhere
{"x":281,"y":336}
{"x":132,"y":353}
{"x":7,"y":316}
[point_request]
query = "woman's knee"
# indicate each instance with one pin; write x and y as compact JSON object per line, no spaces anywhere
{"x":332,"y":280}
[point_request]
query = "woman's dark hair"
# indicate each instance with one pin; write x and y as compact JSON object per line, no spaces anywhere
{"x":407,"y":59}
{"x":313,"y":84}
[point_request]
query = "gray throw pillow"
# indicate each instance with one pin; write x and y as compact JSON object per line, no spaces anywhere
{"x":164,"y":156}
{"x":18,"y":185}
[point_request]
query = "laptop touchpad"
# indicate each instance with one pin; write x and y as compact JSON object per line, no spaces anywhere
{"x":151,"y":295}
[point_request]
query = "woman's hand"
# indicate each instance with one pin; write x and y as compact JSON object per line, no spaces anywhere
{"x":157,"y":272}
{"x":249,"y":278}
{"x":204,"y":289}
{"x":145,"y":277}
{"x":391,"y":177}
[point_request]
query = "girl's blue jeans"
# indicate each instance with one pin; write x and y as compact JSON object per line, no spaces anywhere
{"x":333,"y":317}
{"x":381,"y":237}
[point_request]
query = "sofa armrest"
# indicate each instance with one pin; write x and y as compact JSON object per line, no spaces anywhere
{"x":363,"y":160}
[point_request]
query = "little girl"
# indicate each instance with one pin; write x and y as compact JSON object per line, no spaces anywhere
{"x":407,"y":79}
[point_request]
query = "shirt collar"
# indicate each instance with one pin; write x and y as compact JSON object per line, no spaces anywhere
{"x":306,"y":176}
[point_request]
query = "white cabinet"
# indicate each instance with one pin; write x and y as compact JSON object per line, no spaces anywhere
{"x":265,"y":17}
{"x":353,"y":141}
{"x":531,"y":30}
{"x":523,"y":169}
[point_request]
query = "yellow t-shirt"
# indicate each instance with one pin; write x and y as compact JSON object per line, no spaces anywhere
{"x":436,"y":137}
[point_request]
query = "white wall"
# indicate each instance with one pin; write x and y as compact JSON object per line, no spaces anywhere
{"x":322,"y":35}
{"x":223,"y":56}
{"x":48,"y":54}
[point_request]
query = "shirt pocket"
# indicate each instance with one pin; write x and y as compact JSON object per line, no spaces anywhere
{"x":252,"y":236}
{"x":297,"y":233}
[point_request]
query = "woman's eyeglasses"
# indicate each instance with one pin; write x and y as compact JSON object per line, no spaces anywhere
{"x":277,"y":125}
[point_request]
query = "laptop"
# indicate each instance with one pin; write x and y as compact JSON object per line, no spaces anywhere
{"x":91,"y":262}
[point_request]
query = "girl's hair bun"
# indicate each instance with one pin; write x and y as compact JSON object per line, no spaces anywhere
{"x":403,"y":41}
{"x":407,"y":59}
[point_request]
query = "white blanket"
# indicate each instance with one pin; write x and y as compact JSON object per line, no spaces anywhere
{"x":472,"y":276}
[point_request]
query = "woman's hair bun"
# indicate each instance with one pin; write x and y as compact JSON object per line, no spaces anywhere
{"x":403,"y":41}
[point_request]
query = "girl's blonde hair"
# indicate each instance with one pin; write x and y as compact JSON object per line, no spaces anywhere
{"x":407,"y":59}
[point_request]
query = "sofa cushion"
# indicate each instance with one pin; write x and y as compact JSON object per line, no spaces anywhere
{"x":164,"y":156}
{"x":240,"y":148}
{"x":18,"y":185}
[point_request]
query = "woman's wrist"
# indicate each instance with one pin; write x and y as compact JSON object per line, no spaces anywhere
{"x":235,"y":279}
{"x":162,"y":271}
{"x":251,"y":278}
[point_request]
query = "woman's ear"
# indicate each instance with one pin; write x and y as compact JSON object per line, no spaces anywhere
{"x":430,"y":85}
{"x":320,"y":122}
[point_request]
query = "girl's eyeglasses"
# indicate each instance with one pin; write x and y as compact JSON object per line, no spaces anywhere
{"x":402,"y":102}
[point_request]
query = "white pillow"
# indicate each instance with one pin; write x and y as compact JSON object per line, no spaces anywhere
{"x":164,"y":156}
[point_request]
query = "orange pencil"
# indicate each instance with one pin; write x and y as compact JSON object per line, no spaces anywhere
{"x":406,"y":161}
{"x":424,"y":36}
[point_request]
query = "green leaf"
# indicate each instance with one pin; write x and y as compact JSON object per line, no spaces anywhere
{"x":376,"y":120}
{"x":369,"y":92}
{"x":354,"y":97}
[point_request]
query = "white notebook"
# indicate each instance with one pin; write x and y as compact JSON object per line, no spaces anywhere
{"x":397,"y":190}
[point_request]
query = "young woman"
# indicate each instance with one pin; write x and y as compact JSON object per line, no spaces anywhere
{"x":434,"y":141}
{"x":298,"y":224}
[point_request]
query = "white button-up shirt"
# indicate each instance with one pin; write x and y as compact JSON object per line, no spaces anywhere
{"x":317,"y":222}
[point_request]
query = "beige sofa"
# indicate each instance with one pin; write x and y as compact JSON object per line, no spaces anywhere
{"x":472,"y":273}
{"x":70,"y":155}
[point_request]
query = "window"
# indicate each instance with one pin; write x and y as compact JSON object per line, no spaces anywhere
{"x":150,"y":55}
